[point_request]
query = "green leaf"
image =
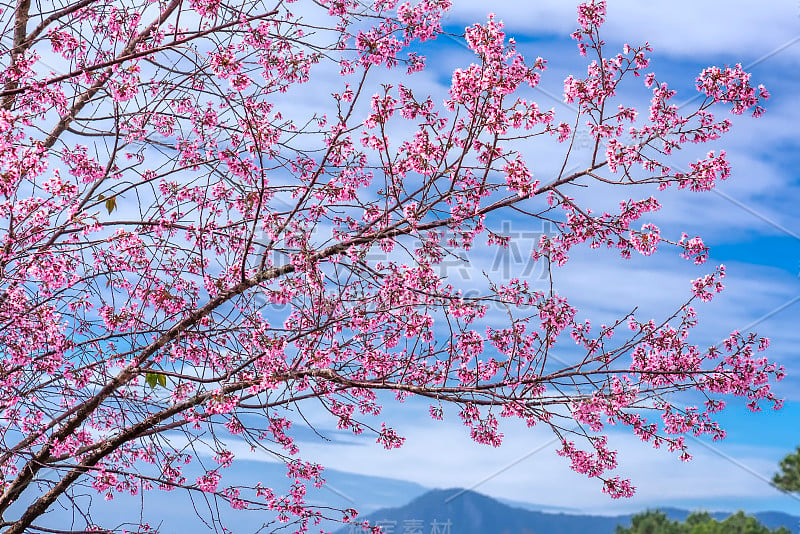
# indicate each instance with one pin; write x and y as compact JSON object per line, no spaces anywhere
{"x":151,"y":379}
{"x":162,"y":380}
{"x":111,"y":203}
{"x":788,"y":479}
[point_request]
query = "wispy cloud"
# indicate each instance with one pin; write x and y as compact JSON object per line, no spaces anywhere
{"x":682,"y":27}
{"x":525,"y":468}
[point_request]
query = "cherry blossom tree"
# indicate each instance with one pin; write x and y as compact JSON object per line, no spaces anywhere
{"x":187,"y":257}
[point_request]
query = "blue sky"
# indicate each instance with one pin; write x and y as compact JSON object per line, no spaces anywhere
{"x":750,"y":223}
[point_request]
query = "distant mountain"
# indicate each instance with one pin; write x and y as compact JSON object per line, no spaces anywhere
{"x":456,"y":511}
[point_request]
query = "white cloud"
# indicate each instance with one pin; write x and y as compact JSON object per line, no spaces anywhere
{"x":525,"y":468}
{"x":681,"y":27}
